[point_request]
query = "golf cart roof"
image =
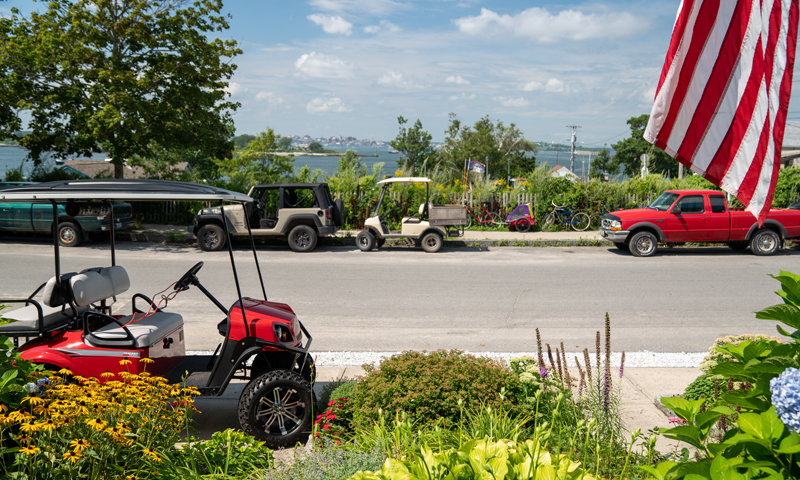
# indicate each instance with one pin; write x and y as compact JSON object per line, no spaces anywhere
{"x":406,"y":180}
{"x":129,"y":190}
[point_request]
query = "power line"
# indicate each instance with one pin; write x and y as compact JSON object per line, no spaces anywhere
{"x":607,"y":139}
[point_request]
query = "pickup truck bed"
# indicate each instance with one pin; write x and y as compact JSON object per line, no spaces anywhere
{"x":702,"y":216}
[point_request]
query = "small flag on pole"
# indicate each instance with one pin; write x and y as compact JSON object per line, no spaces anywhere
{"x":721,"y":103}
{"x":476,"y":167}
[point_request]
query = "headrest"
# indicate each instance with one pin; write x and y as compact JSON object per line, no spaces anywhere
{"x":116,"y":275}
{"x":52,"y":296}
{"x":96,"y":284}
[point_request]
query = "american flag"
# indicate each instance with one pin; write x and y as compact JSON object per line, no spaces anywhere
{"x":720,"y":107}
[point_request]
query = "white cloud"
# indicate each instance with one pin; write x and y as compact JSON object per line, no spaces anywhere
{"x":235,"y":89}
{"x":512,"y":102}
{"x":373,"y":7}
{"x":268,"y":97}
{"x":334,"y":25}
{"x":463,"y":96}
{"x":541,"y":26}
{"x":385,"y":25}
{"x":318,"y":65}
{"x":324,"y":105}
{"x":553,"y":85}
{"x":458,"y":80}
{"x":395,"y":79}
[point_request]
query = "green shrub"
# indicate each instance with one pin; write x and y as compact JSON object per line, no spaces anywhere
{"x":701,"y":387}
{"x":229,"y":453}
{"x":329,"y":463}
{"x":716,"y":356}
{"x":344,"y":390}
{"x":428,"y":386}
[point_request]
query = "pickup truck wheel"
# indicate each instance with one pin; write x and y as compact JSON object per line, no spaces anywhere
{"x":69,"y":234}
{"x":276,"y":408}
{"x":365,"y":241}
{"x":643,"y":244}
{"x":765,"y":242}
{"x":431,"y":242}
{"x":210,"y":238}
{"x":302,"y":238}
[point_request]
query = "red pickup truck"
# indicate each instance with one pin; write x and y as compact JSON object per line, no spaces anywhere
{"x":680,"y":216}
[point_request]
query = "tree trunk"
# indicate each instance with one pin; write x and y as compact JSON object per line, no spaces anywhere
{"x":119,"y":171}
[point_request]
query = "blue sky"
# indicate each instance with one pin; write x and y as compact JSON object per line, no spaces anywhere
{"x":351,"y":67}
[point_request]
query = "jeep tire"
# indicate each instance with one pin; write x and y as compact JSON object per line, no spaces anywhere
{"x":765,"y":242}
{"x":210,"y":237}
{"x":643,"y":244}
{"x":302,"y":238}
{"x":431,"y":242}
{"x":276,"y":408}
{"x":365,"y":240}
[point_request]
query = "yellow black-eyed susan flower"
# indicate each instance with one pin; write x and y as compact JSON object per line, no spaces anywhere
{"x":32,"y":450}
{"x":73,"y":457}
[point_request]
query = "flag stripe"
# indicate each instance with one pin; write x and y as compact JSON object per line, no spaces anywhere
{"x":677,"y":34}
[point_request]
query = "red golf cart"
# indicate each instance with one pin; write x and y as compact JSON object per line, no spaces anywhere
{"x":67,"y":322}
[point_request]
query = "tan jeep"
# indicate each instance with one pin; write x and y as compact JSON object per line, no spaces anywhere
{"x":298,"y":212}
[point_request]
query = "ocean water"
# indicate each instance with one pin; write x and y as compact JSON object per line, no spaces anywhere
{"x":13,"y":157}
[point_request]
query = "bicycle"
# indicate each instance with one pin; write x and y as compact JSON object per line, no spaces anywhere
{"x":579,"y":221}
{"x":596,"y":219}
{"x":484,"y":217}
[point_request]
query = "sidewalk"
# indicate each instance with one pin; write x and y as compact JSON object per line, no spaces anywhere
{"x":472,"y":238}
{"x":640,"y":387}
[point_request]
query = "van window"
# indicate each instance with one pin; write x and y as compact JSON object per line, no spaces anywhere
{"x":717,"y":203}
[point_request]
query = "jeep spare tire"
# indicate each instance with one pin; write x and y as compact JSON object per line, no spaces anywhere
{"x":302,"y":238}
{"x":338,"y":212}
{"x":210,"y":237}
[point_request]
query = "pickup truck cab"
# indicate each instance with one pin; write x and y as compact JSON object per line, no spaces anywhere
{"x":701,"y":216}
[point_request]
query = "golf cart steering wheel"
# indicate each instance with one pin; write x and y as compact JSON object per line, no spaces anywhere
{"x":396,"y":206}
{"x":187,"y":277}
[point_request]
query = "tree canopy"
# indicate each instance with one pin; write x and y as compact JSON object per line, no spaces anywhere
{"x":123,"y":76}
{"x":413,"y":143}
{"x":254,"y":166}
{"x":630,"y":150}
{"x":604,"y":164}
{"x":487,"y":141}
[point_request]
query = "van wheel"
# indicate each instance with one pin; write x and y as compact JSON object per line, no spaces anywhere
{"x":302,"y":238}
{"x":365,"y":241}
{"x":431,"y":242}
{"x":69,"y":234}
{"x":643,"y":244}
{"x":765,"y":242}
{"x":210,"y":238}
{"x":276,"y":408}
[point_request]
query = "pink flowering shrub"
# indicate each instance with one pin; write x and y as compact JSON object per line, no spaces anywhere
{"x":334,"y":423}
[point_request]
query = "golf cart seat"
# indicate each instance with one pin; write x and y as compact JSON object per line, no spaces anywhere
{"x":147,"y":331}
{"x":55,"y":310}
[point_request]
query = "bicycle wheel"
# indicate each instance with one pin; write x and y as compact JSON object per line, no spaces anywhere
{"x":486,"y":218}
{"x":580,"y":221}
{"x":496,"y":218}
{"x":595,"y":221}
{"x":548,"y":221}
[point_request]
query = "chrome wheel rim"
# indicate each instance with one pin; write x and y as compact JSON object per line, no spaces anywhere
{"x":644,"y":245}
{"x":67,"y":234}
{"x":280,"y":411}
{"x":766,"y":243}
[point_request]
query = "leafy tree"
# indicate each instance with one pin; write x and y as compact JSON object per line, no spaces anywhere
{"x":123,"y":76}
{"x":414,"y":143}
{"x":629,"y":151}
{"x":486,"y":141}
{"x":255,"y":165}
{"x":315,"y":147}
{"x":603,"y":164}
{"x":285,"y":143}
{"x":241,"y":141}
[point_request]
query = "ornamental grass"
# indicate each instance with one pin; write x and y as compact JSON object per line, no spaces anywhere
{"x":119,"y":426}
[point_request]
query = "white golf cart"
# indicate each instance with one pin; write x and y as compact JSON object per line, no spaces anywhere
{"x":427,"y":228}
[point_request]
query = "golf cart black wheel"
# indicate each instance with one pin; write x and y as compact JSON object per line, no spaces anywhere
{"x":738,"y":245}
{"x":69,"y":234}
{"x":365,"y":240}
{"x":765,"y":242}
{"x":580,"y":221}
{"x":338,"y":212}
{"x":276,"y":408}
{"x":523,"y":225}
{"x":431,"y":242}
{"x":302,"y":238}
{"x":379,"y":242}
{"x":643,"y":244}
{"x":211,"y":237}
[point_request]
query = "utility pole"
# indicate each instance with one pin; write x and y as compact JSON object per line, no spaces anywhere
{"x":572,"y":151}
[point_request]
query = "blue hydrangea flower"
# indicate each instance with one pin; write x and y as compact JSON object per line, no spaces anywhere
{"x":30,"y":388}
{"x":785,"y":390}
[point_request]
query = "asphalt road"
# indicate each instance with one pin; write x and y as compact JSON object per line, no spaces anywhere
{"x":474,"y":299}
